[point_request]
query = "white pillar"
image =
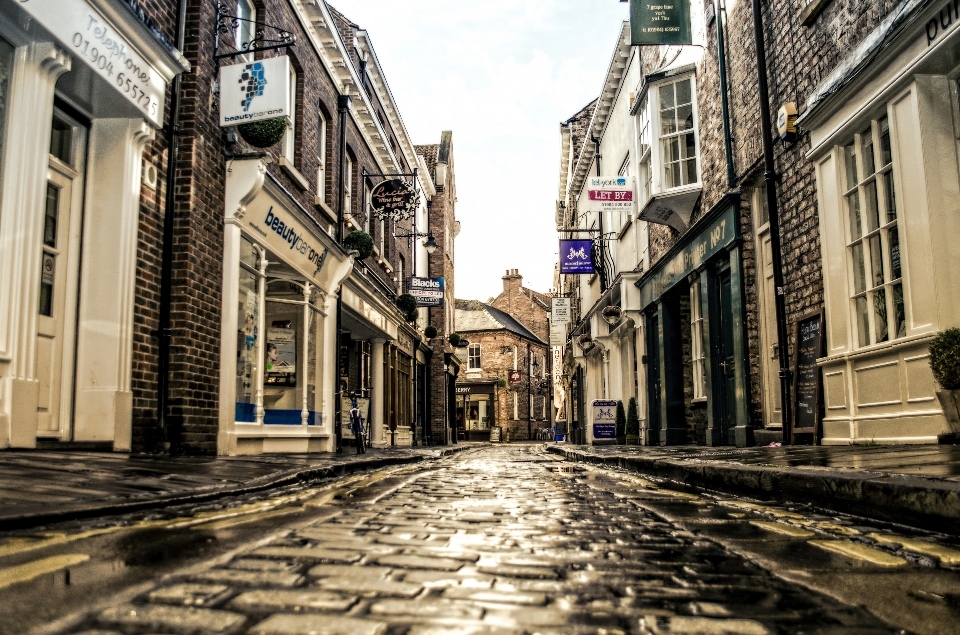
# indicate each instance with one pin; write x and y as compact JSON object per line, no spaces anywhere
{"x":36,"y":68}
{"x":377,"y":434}
{"x":331,"y":382}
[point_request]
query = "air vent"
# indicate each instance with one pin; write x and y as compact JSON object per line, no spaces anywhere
{"x":150,"y":175}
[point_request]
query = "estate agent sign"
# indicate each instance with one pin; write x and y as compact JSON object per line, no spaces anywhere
{"x":656,"y":22}
{"x":255,"y":91}
{"x":610,"y":194}
{"x":427,"y":291}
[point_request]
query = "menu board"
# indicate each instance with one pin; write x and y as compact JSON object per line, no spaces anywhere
{"x":807,"y":383}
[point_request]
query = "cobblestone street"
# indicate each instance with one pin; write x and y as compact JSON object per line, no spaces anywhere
{"x":495,"y":540}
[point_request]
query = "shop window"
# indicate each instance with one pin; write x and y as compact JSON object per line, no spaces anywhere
{"x":248,"y":331}
{"x":697,"y":354}
{"x":321,"y":158}
{"x":873,"y":241}
{"x":678,"y":133}
{"x":290,"y":137}
{"x":476,"y":410}
{"x":473,"y":357}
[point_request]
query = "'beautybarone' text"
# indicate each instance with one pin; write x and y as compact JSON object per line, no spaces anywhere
{"x":295,"y":240}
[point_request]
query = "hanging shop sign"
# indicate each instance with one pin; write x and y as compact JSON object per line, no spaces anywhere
{"x":560,"y":310}
{"x":558,"y":334}
{"x":610,"y":194}
{"x":93,"y":40}
{"x":255,"y":91}
{"x":514,"y":377}
{"x":427,"y":291}
{"x":393,"y":199}
{"x":576,"y":256}
{"x":656,"y":22}
{"x":604,"y":419}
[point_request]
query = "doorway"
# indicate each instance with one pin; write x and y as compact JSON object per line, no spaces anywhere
{"x":654,"y":380}
{"x":726,"y":358}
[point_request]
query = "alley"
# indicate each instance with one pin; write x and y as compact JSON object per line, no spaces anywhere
{"x":505,"y":539}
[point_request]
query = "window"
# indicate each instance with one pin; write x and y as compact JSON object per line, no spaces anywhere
{"x":321,"y":158}
{"x":874,"y":241}
{"x":400,"y":268}
{"x":696,"y":341}
{"x":473,"y":357}
{"x":678,"y":142}
{"x":289,"y":139}
{"x":348,"y":189}
{"x":645,"y":174}
{"x":246,"y":30}
{"x":516,"y":407}
{"x":367,"y":195}
{"x":514,"y":357}
{"x":383,"y":238}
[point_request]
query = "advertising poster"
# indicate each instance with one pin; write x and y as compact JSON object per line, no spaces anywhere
{"x":559,"y":310}
{"x":604,"y":420}
{"x":364,"y":404}
{"x":576,"y":256}
{"x":281,"y":362}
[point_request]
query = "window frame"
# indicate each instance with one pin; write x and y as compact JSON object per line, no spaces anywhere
{"x":289,"y":142}
{"x":656,"y":121}
{"x":321,"y":157}
{"x":698,"y":355}
{"x":471,"y":356}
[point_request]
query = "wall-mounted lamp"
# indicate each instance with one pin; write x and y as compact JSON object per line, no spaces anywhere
{"x":430,"y":244}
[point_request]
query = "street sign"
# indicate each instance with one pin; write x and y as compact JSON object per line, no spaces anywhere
{"x":654,"y":23}
{"x":560,"y":310}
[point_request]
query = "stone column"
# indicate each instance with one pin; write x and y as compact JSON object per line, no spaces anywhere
{"x":377,"y":436}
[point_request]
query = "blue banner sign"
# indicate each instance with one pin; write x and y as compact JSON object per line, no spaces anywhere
{"x":427,"y":291}
{"x":576,"y":256}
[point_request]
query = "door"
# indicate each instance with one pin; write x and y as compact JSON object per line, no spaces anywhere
{"x":653,"y":379}
{"x":727,"y":360}
{"x":769,"y":358}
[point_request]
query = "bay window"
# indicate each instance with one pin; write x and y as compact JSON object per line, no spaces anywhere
{"x":678,"y":137}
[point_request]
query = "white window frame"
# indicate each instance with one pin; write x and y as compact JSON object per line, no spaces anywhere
{"x":321,"y":157}
{"x":697,"y":353}
{"x":516,"y":407}
{"x":348,"y":189}
{"x":368,"y":194}
{"x":245,"y":31}
{"x":644,"y":154}
{"x":872,"y":226}
{"x":471,"y":356}
{"x":290,"y":136}
{"x":656,"y":116}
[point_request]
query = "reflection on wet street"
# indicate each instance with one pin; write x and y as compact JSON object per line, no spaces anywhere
{"x":511,"y":540}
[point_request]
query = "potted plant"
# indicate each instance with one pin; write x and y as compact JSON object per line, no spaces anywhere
{"x":945,"y":364}
{"x":585,"y":342}
{"x":454,"y":339}
{"x":621,"y":422}
{"x":361,"y":241}
{"x":611,"y":314}
{"x":430,"y":331}
{"x":263,"y":133}
{"x":633,"y":422}
{"x":408,"y":306}
{"x":501,"y":382}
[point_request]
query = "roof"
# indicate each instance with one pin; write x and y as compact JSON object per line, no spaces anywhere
{"x":473,"y":316}
{"x":429,"y":154}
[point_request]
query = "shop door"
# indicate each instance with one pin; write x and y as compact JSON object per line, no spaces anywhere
{"x":56,"y":292}
{"x":727,"y":362}
{"x":769,"y":358}
{"x":654,"y":380}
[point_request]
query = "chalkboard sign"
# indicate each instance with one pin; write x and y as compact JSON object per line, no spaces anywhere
{"x":808,"y":345}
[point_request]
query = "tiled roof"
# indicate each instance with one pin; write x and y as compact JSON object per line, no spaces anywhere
{"x":473,"y":315}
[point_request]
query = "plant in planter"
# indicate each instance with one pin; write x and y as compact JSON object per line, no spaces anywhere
{"x":621,"y":423}
{"x":430,"y":331}
{"x":585,"y":342}
{"x":501,"y":382}
{"x":361,"y":241}
{"x":408,"y":306}
{"x":945,"y":364}
{"x":263,"y":133}
{"x":454,"y":338}
{"x":611,"y":314}
{"x":633,"y":423}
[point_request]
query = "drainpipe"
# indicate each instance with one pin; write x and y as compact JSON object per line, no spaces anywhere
{"x":770,"y":180}
{"x":724,"y":105}
{"x":169,"y":439}
{"x":343,"y":105}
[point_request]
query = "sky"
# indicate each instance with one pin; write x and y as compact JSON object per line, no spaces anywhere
{"x":502,"y":75}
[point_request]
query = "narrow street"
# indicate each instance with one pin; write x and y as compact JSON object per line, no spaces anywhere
{"x":493,"y":540}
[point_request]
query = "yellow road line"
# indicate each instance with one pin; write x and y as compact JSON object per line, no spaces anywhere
{"x":16,"y":546}
{"x":763,"y":509}
{"x":783,"y":528}
{"x":247,"y":518}
{"x":837,"y":529}
{"x":37,"y":568}
{"x":861,"y":552}
{"x":944,"y":554}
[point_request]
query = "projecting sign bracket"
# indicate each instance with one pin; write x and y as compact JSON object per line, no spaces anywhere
{"x":226,"y":23}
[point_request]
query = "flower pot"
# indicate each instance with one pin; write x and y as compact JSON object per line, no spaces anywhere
{"x":950,"y":402}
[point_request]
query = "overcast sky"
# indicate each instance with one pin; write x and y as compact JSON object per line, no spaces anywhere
{"x":502,"y":75}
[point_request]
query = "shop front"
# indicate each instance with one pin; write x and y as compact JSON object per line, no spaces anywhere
{"x":883,"y":135}
{"x":475,"y":410}
{"x":281,"y":277}
{"x":696,"y":361}
{"x":83,"y":85}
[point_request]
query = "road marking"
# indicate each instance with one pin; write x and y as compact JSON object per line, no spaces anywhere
{"x":246,"y":518}
{"x":783,"y":528}
{"x":861,"y":552}
{"x":944,"y":554}
{"x":15,"y":546}
{"x":763,"y":509}
{"x":837,"y":529}
{"x":37,"y":568}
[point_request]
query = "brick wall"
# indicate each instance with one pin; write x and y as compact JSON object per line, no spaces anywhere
{"x":530,"y":308}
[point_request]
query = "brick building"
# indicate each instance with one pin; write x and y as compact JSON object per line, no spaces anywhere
{"x":863,"y":209}
{"x":222,"y":311}
{"x":506,"y":367}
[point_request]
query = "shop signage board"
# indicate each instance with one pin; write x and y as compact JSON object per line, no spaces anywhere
{"x":394,"y":199}
{"x":576,"y":256}
{"x":559,"y":310}
{"x":604,"y":420}
{"x":255,"y":91}
{"x":514,"y":377}
{"x":658,"y":22}
{"x":427,"y":291}
{"x":94,"y":42}
{"x":558,"y":334}
{"x":808,"y":345}
{"x":285,"y":235}
{"x":610,"y":194}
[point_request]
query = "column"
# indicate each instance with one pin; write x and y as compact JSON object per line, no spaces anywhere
{"x":375,"y":422}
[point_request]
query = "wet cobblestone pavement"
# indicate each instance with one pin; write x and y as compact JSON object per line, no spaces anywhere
{"x":497,"y":540}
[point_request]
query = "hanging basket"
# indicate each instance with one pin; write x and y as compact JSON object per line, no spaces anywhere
{"x":430,"y":332}
{"x":612,"y":314}
{"x":454,"y":338}
{"x":265,"y":133}
{"x":585,"y":342}
{"x":408,"y":306}
{"x":362,"y":242}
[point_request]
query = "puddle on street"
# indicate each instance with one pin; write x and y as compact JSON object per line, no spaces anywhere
{"x":155,"y":546}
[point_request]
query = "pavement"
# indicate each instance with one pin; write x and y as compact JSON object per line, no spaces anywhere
{"x":916,"y":485}
{"x":40,"y":487}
